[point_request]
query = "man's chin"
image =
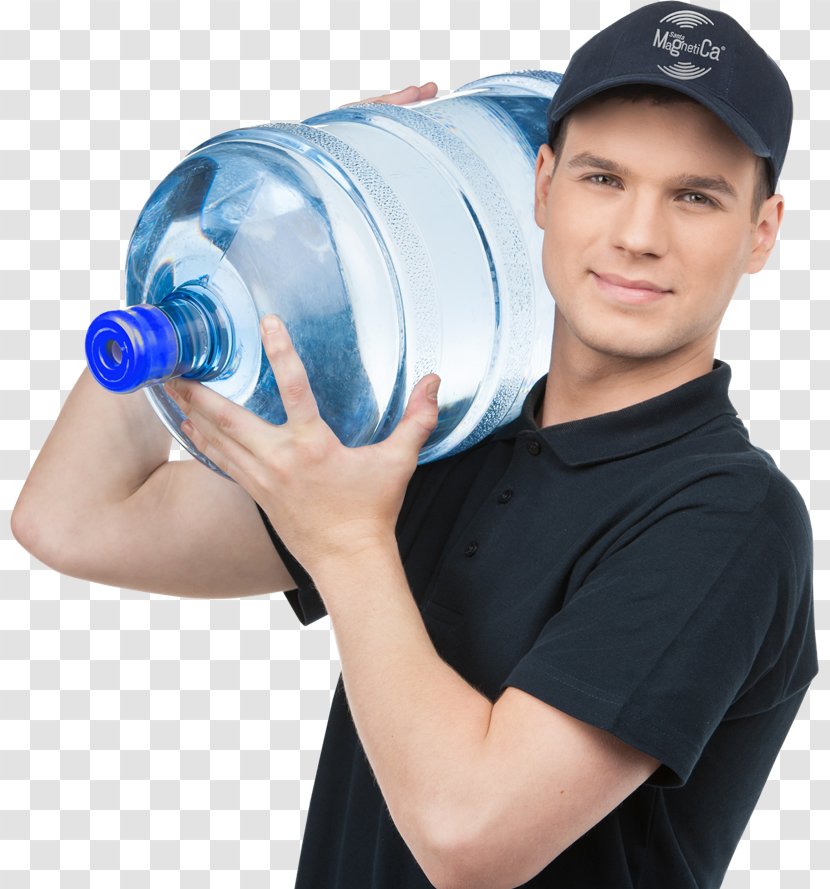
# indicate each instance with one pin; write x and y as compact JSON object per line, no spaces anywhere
{"x":618,"y":346}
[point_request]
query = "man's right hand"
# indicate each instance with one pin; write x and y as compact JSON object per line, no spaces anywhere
{"x":405,"y":96}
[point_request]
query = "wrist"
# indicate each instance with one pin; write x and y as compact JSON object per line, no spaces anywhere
{"x":355,"y":559}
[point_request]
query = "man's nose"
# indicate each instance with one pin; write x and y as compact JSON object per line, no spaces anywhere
{"x":640,"y":225}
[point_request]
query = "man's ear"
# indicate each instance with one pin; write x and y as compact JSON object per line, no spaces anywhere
{"x":544,"y":171}
{"x":766,"y":232}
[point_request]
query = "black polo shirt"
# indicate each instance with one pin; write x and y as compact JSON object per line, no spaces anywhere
{"x":647,"y":571}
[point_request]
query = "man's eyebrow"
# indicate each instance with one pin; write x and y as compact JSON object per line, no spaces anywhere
{"x":586,"y":159}
{"x":706,"y":183}
{"x":687,"y":180}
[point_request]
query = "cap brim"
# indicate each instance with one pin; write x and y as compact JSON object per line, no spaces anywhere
{"x":722,"y":110}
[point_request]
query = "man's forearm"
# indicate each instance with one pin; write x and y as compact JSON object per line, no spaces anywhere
{"x":422,"y":726}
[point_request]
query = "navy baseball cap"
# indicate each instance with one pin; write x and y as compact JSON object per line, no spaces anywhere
{"x":701,"y":52}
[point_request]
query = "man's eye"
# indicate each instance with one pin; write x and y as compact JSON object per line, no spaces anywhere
{"x":694,"y":197}
{"x":601,"y":179}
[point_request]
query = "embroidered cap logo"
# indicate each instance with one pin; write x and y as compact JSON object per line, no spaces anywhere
{"x":674,"y":43}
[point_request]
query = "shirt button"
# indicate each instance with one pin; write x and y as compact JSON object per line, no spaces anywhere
{"x":471,"y":549}
{"x":533,"y":447}
{"x":505,"y":496}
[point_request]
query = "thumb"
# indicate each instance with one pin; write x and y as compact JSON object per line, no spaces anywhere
{"x":420,"y":416}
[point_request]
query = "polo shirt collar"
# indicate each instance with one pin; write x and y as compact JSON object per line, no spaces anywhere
{"x":630,"y":430}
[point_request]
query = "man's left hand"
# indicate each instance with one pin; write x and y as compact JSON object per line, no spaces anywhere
{"x":326,"y":500}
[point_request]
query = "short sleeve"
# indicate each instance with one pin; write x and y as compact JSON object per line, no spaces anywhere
{"x":704,"y":610}
{"x":304,"y":599}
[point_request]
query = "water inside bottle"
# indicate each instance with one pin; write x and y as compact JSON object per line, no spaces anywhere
{"x":267,"y":215}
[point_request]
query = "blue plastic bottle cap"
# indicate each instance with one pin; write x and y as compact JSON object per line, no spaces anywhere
{"x":129,"y":348}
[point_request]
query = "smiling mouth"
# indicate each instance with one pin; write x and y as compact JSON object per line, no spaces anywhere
{"x":633,"y":293}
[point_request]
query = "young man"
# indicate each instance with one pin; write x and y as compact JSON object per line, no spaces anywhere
{"x":571,"y":654}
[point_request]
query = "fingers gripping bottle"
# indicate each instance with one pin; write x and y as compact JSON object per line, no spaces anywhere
{"x":392,"y":241}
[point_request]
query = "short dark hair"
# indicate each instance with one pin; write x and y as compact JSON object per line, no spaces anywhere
{"x":657,"y":95}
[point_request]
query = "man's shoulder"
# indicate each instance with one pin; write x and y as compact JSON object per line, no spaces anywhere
{"x":726,"y":471}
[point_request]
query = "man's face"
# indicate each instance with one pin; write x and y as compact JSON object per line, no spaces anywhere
{"x":648,"y":228}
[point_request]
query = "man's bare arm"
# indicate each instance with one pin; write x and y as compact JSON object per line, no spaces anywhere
{"x":104,"y":502}
{"x":451,"y":765}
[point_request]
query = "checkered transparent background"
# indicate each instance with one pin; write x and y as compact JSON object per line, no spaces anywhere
{"x":146,"y":740}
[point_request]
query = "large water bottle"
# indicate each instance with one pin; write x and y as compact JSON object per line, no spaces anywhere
{"x":392,"y":241}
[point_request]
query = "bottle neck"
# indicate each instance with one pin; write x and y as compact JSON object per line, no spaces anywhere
{"x":203,"y":335}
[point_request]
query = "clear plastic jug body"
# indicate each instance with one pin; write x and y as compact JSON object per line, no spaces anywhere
{"x":392,"y":241}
